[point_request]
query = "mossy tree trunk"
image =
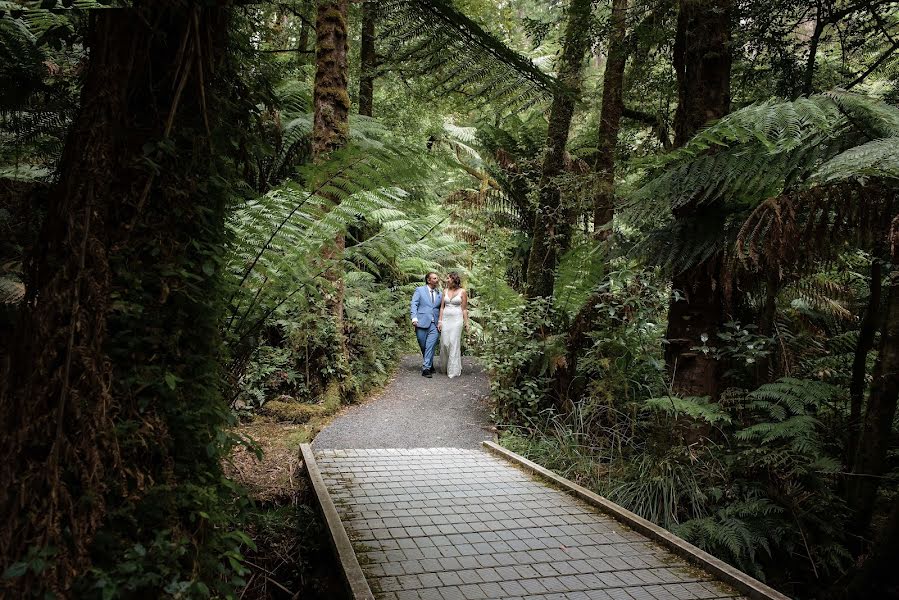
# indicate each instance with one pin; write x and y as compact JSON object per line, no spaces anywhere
{"x":330,"y":131}
{"x":330,"y":97}
{"x":553,"y":220}
{"x":368,"y":60}
{"x":111,"y":396}
{"x":702,"y":61}
{"x":610,"y":121}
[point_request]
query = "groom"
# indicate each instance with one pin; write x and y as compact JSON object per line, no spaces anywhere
{"x":425,"y":309}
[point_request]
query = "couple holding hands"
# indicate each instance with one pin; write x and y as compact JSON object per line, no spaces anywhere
{"x":440,"y":315}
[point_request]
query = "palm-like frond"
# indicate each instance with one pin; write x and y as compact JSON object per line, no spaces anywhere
{"x":434,"y":38}
{"x":799,"y":177}
{"x":35,"y":107}
{"x":279,"y":237}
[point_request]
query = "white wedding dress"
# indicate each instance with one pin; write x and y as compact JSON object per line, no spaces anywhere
{"x":451,"y":336}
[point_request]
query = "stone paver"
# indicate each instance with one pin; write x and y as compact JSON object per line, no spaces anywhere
{"x":442,"y":523}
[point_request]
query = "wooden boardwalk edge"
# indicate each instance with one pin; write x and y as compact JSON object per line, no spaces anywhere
{"x":741,"y":581}
{"x":353,"y":575}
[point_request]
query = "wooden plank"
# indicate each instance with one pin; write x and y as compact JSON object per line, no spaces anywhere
{"x":352,"y":571}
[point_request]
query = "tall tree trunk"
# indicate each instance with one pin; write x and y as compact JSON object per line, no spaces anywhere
{"x":860,"y":361}
{"x":808,"y":78}
{"x":330,"y":97}
{"x":331,"y":128}
{"x":870,"y":457}
{"x":702,"y":63}
{"x":85,"y":423}
{"x":877,"y":576}
{"x":552,"y":219}
{"x":368,"y":60}
{"x":610,"y":120}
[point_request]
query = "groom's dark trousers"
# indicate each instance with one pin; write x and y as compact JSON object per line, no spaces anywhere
{"x":427,"y":341}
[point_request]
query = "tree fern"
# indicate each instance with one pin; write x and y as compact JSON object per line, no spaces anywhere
{"x":699,"y":409}
{"x":795,"y":177}
{"x":434,"y":38}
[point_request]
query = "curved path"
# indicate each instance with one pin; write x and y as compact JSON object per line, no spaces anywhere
{"x":416,"y":412}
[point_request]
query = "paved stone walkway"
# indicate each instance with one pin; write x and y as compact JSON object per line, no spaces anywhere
{"x":450,"y":524}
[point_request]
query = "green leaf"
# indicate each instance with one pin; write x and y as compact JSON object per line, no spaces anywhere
{"x":15,"y":570}
{"x":171,"y":380}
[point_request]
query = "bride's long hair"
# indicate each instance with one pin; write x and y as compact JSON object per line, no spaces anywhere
{"x":456,"y":281}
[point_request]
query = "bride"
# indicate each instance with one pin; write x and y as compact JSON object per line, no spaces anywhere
{"x":453,"y":316}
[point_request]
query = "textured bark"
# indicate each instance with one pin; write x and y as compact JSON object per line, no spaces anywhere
{"x":330,"y":97}
{"x":878,"y":577}
{"x":368,"y":60}
{"x":331,"y":126}
{"x":610,"y":120}
{"x":62,"y":399}
{"x":860,"y":360}
{"x":873,"y":444}
{"x":553,"y":222}
{"x":702,"y":63}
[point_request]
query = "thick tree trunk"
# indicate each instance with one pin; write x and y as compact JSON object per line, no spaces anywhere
{"x":870,"y":457}
{"x":368,"y":60}
{"x":878,"y":577}
{"x":860,"y":361}
{"x":101,"y":281}
{"x":702,"y":63}
{"x":330,"y":97}
{"x":331,"y":126}
{"x":610,"y":121}
{"x":552,"y":219}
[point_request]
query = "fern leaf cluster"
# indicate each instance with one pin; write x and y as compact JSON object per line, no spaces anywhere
{"x":433,"y":38}
{"x":794,"y":177}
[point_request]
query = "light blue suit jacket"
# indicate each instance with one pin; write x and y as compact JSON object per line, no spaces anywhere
{"x":421,"y":307}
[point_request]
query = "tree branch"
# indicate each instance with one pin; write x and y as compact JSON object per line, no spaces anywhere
{"x":656,"y":122}
{"x":874,"y":66}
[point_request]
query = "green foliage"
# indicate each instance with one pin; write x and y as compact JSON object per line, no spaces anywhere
{"x":436,"y":39}
{"x":698,"y":409}
{"x":739,"y":531}
{"x":767,"y":171}
{"x":40,"y":52}
{"x":372,"y":194}
{"x":663,"y":489}
{"x":511,"y":350}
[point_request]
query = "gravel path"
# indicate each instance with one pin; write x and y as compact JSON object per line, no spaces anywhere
{"x":416,"y":412}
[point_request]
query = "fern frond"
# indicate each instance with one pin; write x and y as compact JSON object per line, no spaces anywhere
{"x":434,"y":38}
{"x":697,"y":408}
{"x":802,"y":176}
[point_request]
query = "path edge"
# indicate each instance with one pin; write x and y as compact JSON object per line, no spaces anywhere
{"x":741,"y":581}
{"x":353,"y":576}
